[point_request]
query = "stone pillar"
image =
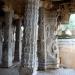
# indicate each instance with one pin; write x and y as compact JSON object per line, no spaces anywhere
{"x":0,"y":43}
{"x":52,"y":52}
{"x":47,"y":56}
{"x":29,"y":50}
{"x":17,"y":54}
{"x":41,"y":40}
{"x":7,"y":44}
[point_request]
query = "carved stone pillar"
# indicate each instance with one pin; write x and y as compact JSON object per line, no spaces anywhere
{"x":41,"y":40}
{"x":7,"y":44}
{"x":52,"y":52}
{"x":17,"y":55}
{"x":47,"y":57}
{"x":29,"y":50}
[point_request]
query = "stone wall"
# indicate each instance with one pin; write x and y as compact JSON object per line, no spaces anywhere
{"x":67,"y":52}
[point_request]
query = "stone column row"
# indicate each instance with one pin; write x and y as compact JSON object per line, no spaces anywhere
{"x":11,"y":49}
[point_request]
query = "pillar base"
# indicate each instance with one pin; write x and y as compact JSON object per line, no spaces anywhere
{"x":41,"y":65}
{"x":52,"y":66}
{"x":4,"y":66}
{"x":41,"y":69}
{"x":25,"y":71}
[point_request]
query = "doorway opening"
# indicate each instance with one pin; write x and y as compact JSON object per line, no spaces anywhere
{"x":66,"y":41}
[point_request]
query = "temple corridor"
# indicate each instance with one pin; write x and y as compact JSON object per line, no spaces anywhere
{"x":37,"y":37}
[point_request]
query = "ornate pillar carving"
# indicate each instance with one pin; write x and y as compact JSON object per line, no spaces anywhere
{"x":52,"y":52}
{"x":18,"y":41}
{"x":29,"y":50}
{"x":47,"y":25}
{"x":41,"y":40}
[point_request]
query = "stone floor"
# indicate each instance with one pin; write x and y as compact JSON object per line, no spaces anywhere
{"x":9,"y":71}
{"x":58,"y":72}
{"x":14,"y":71}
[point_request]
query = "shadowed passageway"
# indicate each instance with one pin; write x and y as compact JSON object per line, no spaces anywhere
{"x":36,"y":37}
